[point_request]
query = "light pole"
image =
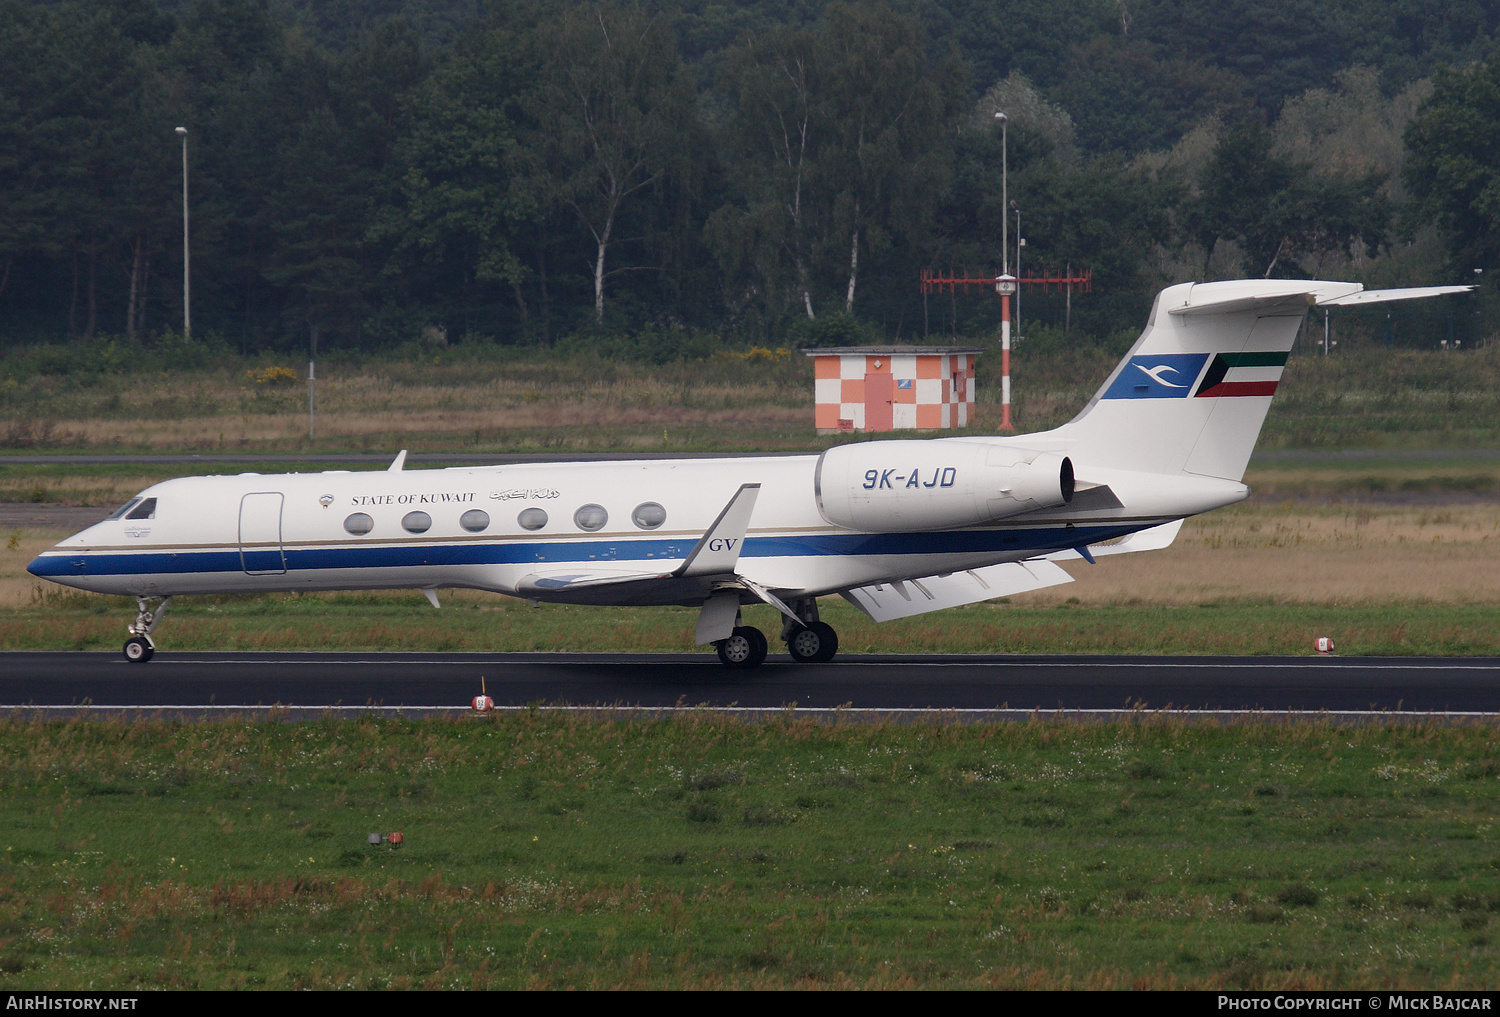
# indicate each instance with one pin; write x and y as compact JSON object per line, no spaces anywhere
{"x":1004,"y":199}
{"x":1020,"y":243}
{"x":312,"y":386}
{"x":187,"y":290}
{"x":1006,"y":284}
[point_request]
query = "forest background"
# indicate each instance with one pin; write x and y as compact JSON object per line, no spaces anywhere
{"x":670,"y":179}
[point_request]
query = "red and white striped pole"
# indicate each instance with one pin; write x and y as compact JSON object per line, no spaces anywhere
{"x":1005,"y":285}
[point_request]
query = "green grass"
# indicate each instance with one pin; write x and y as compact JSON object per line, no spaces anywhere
{"x":548,"y":850}
{"x":65,"y":621}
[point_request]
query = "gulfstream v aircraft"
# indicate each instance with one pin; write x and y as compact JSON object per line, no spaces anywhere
{"x":898,"y":528}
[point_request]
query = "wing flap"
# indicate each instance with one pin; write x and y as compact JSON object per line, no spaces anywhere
{"x":889,"y":601}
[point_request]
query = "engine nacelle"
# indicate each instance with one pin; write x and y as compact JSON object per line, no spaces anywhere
{"x":900,"y":486}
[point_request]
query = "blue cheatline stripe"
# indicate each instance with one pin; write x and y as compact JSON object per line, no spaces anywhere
{"x":1035,"y":540}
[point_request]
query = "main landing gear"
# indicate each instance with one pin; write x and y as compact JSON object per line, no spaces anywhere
{"x":745,"y":647}
{"x":139,"y":648}
{"x":809,"y":640}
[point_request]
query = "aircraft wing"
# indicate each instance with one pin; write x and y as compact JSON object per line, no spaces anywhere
{"x":1152,"y":539}
{"x":710,"y":564}
{"x":578,"y":586}
{"x":550,"y":582}
{"x":903,"y":599}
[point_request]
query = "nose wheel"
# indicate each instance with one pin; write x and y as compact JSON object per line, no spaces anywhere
{"x":139,"y":648}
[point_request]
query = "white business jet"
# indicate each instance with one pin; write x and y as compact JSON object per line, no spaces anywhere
{"x":898,"y":528}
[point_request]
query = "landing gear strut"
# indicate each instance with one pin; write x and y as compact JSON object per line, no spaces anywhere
{"x":139,"y":648}
{"x":809,"y":640}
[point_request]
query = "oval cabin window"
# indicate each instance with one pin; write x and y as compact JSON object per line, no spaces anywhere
{"x":359,"y":523}
{"x":475,"y":520}
{"x":532,"y":519}
{"x":590,"y":517}
{"x":416,"y":522}
{"x":648,"y":515}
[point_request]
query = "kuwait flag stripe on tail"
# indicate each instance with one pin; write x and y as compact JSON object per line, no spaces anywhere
{"x":1242,"y":374}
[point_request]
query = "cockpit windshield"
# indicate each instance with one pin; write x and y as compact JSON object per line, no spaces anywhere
{"x":119,"y":513}
{"x":145,"y":510}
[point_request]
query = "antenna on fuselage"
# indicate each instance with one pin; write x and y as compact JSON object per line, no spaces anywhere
{"x":397,"y":463}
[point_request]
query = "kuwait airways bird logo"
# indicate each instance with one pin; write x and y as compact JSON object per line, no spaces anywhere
{"x":1154,"y":373}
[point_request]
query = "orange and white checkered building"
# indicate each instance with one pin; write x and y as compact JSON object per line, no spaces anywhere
{"x":885,"y":388}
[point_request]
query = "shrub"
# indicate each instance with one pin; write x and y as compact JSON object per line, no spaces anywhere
{"x":1297,"y":895}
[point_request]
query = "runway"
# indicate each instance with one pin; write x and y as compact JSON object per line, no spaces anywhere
{"x":987,"y":684}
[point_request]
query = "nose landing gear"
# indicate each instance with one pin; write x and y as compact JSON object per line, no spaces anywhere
{"x":139,"y":648}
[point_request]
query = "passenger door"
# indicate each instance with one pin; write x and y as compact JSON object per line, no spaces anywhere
{"x":260,"y":534}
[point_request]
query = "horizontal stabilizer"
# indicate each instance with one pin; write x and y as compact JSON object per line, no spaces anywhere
{"x":1273,"y":299}
{"x":1384,"y":296}
{"x":903,"y":599}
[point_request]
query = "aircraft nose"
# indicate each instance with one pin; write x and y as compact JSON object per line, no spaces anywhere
{"x":52,"y":566}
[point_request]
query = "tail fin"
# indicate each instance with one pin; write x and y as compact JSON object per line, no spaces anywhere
{"x":1192,"y":393}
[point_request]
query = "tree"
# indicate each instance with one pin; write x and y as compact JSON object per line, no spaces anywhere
{"x":611,"y":117}
{"x":1453,"y":163}
{"x":462,"y":203}
{"x":1279,"y":209}
{"x":23,"y":178}
{"x":332,"y":165}
{"x":844,"y":134}
{"x":887,"y":111}
{"x":774,"y":81}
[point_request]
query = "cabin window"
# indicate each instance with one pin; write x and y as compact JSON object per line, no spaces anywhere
{"x":359,"y":523}
{"x":416,"y":522}
{"x":590,"y":517}
{"x":119,"y":513}
{"x":145,"y":510}
{"x":475,"y":520}
{"x":532,"y":519}
{"x":648,"y":515}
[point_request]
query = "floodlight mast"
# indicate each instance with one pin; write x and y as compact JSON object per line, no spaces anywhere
{"x":1006,"y":284}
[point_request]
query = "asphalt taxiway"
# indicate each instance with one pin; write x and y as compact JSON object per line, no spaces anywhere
{"x":424,"y":681}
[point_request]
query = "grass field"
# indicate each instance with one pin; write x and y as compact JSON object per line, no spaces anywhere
{"x":498,"y":399}
{"x":554,"y":851}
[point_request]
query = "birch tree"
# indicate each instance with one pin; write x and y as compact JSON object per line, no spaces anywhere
{"x":611,"y":114}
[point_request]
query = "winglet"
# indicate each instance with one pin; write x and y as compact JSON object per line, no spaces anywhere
{"x":397,"y":463}
{"x":719,"y":551}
